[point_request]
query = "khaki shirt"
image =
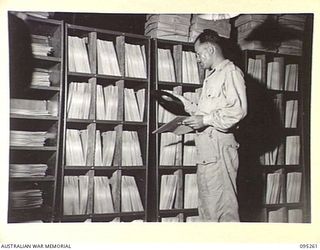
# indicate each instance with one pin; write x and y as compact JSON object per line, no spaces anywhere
{"x":223,"y":101}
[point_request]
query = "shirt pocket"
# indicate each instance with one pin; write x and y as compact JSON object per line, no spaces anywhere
{"x":214,"y":86}
{"x":213,"y":92}
{"x":207,"y":149}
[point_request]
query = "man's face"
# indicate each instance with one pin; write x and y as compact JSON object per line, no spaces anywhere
{"x":204,"y":53}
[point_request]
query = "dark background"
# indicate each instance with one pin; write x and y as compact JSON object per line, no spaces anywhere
{"x":129,"y":23}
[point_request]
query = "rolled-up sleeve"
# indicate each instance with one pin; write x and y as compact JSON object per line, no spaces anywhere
{"x":235,"y":108}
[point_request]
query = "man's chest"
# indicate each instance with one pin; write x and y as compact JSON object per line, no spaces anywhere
{"x":213,"y":95}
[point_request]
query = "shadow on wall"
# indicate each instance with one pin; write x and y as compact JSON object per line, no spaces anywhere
{"x":271,"y":33}
{"x":259,"y":132}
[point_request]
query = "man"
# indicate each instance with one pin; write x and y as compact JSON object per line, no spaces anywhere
{"x":221,"y":106}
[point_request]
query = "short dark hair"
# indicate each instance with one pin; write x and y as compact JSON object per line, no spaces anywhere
{"x":229,"y":50}
{"x":209,"y":36}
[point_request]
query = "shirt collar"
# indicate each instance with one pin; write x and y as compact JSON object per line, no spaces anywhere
{"x":221,"y":65}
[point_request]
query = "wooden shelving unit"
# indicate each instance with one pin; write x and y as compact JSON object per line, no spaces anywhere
{"x":118,"y":169}
{"x":277,"y":209}
{"x":176,"y":167}
{"x":21,"y":207}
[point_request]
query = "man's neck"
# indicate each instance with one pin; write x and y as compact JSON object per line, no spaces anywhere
{"x":217,"y":62}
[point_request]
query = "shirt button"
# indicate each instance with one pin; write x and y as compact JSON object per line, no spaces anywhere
{"x":203,"y":161}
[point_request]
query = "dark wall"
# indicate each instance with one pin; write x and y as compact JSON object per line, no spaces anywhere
{"x":129,"y":23}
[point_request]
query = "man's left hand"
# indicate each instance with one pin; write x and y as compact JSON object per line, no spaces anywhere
{"x":195,"y":121}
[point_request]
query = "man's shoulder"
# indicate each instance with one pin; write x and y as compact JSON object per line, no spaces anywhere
{"x":230,"y":66}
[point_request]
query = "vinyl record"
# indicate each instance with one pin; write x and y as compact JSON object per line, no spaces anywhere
{"x":169,"y":102}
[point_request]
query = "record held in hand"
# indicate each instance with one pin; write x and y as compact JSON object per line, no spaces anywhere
{"x":169,"y":102}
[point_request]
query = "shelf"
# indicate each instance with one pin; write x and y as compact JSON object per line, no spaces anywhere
{"x":50,"y":88}
{"x":119,"y":214}
{"x":79,"y":74}
{"x":134,"y":79}
{"x":288,"y":205}
{"x":78,"y":167}
{"x":94,"y":215}
{"x":130,"y":123}
{"x":75,"y":218}
{"x":166,"y":212}
{"x":33,"y":179}
{"x":106,"y":168}
{"x":288,"y":94}
{"x":44,"y":148}
{"x":134,"y":168}
{"x":273,"y":167}
{"x":111,"y":122}
{"x":291,"y":131}
{"x":48,"y":58}
{"x":292,"y":94}
{"x":190,"y":211}
{"x":87,"y":121}
{"x":43,"y":213}
{"x":174,"y":84}
{"x":34,"y":117}
{"x":100,"y":76}
{"x":101,"y":217}
{"x":182,"y":167}
{"x":191,"y":85}
{"x":111,"y":77}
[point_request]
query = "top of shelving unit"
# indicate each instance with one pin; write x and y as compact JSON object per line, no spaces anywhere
{"x":116,"y":33}
{"x":173,"y":42}
{"x":43,"y":20}
{"x":271,"y":53}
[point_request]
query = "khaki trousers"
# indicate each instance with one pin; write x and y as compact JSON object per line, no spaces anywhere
{"x":216,"y":176}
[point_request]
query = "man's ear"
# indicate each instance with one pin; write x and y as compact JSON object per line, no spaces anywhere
{"x":211,"y":49}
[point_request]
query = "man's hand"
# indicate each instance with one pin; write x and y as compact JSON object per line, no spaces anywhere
{"x":195,"y":121}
